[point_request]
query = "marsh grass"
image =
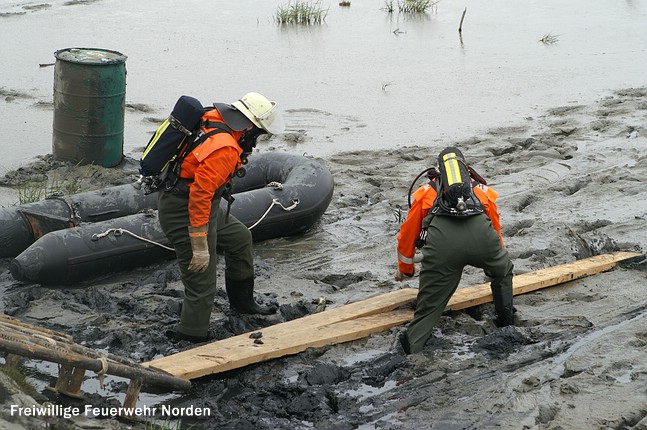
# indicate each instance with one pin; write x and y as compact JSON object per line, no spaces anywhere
{"x":415,"y":6}
{"x":388,"y":6}
{"x":409,"y":6}
{"x":31,"y":192}
{"x":301,"y":12}
{"x":549,"y":39}
{"x":35,"y":191}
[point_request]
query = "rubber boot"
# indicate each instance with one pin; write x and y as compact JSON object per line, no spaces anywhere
{"x":241,"y":297}
{"x":504,"y":308}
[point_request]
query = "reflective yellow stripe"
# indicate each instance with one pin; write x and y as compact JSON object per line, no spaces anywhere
{"x":452,"y":168}
{"x":160,"y":130}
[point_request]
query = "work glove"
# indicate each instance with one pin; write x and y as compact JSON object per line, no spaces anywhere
{"x":200,"y":247}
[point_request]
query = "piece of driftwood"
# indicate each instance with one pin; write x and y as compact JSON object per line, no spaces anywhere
{"x":77,"y":356}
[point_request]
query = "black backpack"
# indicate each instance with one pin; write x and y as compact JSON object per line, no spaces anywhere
{"x":454,"y":186}
{"x":176,"y":137}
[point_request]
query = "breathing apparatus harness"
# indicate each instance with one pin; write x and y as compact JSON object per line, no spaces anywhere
{"x":432,"y":174}
{"x":247,"y":142}
{"x":454,"y":192}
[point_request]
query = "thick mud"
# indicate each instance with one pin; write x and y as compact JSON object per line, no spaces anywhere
{"x":571,"y":185}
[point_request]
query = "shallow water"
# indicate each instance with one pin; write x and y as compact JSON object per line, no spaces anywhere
{"x":365,"y":79}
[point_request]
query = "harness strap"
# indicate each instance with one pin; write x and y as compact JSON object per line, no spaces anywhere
{"x":215,"y":124}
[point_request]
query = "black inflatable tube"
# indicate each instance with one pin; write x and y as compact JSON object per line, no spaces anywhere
{"x":84,"y":252}
{"x":19,"y":228}
{"x":305,"y":184}
{"x":80,"y":253}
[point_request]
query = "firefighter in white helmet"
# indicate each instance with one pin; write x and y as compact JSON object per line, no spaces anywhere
{"x":193,"y":221}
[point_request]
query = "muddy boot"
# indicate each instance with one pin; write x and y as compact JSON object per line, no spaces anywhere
{"x":404,"y":342}
{"x":241,"y":298}
{"x":504,"y":309}
{"x":177,"y":336}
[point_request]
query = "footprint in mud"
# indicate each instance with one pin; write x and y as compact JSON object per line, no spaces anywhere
{"x":343,"y":281}
{"x":571,"y":188}
{"x":587,"y":226}
{"x":602,"y":125}
{"x":517,"y":228}
{"x":575,"y":297}
{"x":639,"y":341}
{"x":525,"y":201}
{"x":574,"y":324}
{"x":537,"y":255}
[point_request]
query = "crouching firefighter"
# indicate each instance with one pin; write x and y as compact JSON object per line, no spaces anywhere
{"x":455,"y":221}
{"x":196,"y":225}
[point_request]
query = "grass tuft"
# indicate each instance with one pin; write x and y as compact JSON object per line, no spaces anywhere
{"x":409,"y":6}
{"x":34,"y":191}
{"x":549,"y":39}
{"x":301,"y":12}
{"x":415,"y":6}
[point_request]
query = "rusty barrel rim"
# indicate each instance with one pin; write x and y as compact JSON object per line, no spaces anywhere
{"x":90,"y":56}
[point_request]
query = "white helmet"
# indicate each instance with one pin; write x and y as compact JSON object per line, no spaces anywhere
{"x":262,"y":112}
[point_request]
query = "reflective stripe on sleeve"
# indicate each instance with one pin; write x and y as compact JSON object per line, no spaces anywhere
{"x":404,"y":259}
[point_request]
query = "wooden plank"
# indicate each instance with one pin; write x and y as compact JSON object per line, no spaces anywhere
{"x":239,"y":351}
{"x":354,"y":321}
{"x":371,"y":306}
{"x":531,"y":281}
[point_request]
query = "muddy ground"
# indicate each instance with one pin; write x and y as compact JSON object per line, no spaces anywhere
{"x":571,"y":185}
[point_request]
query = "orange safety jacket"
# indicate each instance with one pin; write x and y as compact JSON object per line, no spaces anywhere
{"x":423,"y":200}
{"x":211,"y":165}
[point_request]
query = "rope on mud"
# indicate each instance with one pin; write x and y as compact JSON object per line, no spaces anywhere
{"x":278,"y":186}
{"x":120,"y":231}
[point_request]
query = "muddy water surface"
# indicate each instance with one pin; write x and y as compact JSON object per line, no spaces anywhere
{"x":364,"y":79}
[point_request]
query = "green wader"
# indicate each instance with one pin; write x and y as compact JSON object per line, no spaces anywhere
{"x":232,"y":237}
{"x":452,"y":244}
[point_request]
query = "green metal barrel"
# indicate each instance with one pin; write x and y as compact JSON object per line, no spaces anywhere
{"x":89,"y":106}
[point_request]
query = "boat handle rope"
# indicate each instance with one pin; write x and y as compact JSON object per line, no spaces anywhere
{"x":276,"y":186}
{"x":275,"y":202}
{"x":119,"y":231}
{"x":295,"y":203}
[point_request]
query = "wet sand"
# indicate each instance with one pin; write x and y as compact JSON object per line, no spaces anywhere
{"x":571,"y":186}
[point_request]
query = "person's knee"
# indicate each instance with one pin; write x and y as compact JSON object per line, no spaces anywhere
{"x":500,"y":272}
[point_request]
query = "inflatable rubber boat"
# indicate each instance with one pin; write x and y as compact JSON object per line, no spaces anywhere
{"x":20,"y":226}
{"x":280,"y":195}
